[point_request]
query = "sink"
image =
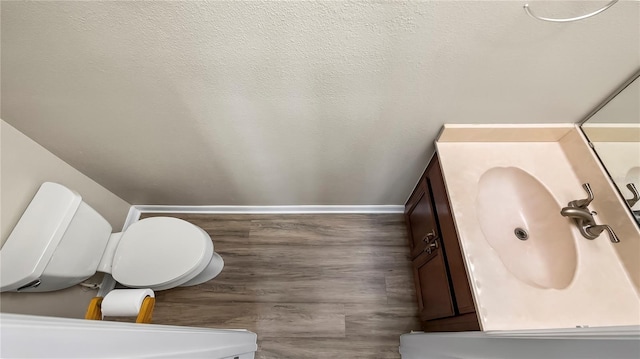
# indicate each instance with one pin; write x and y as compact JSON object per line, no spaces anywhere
{"x":521,"y":221}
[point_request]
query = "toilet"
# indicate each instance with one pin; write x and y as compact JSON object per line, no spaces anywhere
{"x":61,"y":241}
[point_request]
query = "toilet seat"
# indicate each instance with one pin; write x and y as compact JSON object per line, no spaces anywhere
{"x":161,"y":253}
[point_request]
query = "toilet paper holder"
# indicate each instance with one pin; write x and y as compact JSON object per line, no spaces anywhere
{"x":144,"y":309}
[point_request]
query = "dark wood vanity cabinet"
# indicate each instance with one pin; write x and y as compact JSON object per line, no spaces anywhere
{"x":432,"y":284}
{"x":445,"y":302}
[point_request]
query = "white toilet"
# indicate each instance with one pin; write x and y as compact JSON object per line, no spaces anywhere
{"x":60,"y":241}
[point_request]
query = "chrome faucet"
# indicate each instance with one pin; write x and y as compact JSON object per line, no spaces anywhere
{"x":580,"y":213}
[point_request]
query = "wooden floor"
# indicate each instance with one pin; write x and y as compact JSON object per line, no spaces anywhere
{"x":310,"y":286}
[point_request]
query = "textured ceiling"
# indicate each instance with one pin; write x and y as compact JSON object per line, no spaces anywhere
{"x":261,"y":103}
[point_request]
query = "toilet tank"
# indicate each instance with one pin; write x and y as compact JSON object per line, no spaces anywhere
{"x":57,"y":243}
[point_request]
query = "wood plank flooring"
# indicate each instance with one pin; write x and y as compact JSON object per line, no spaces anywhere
{"x":310,"y":286}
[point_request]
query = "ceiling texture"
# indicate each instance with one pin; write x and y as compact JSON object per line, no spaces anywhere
{"x":286,"y":103}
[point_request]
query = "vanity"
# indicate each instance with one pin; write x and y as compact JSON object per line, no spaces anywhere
{"x":517,"y":227}
{"x":445,"y":302}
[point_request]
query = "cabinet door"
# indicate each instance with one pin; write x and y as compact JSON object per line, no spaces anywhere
{"x":420,"y":219}
{"x":432,"y":284}
{"x":449,"y":237}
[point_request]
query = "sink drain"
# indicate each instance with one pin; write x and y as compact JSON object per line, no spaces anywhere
{"x":521,"y":234}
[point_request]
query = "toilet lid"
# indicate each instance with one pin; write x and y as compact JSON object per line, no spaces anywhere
{"x":158,"y":251}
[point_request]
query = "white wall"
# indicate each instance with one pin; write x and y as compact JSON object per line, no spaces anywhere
{"x":24,"y":165}
{"x":293,"y":102}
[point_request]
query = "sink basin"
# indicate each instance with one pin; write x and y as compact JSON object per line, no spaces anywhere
{"x":521,"y":221}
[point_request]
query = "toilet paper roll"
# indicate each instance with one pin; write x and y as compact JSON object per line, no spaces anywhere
{"x":124,"y":302}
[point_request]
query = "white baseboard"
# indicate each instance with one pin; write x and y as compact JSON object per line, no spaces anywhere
{"x":266,"y":209}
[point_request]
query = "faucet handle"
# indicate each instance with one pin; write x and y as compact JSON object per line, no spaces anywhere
{"x":583,"y":203}
{"x":595,"y":230}
{"x":587,"y":188}
{"x":636,"y":197}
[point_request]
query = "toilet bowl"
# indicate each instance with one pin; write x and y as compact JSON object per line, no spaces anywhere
{"x":60,"y":241}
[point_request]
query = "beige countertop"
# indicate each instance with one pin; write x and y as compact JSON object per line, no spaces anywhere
{"x":513,"y":281}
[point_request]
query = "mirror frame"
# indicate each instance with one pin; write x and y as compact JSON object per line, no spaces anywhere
{"x":609,"y":98}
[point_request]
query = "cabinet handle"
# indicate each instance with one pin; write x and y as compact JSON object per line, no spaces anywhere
{"x":431,"y":247}
{"x":429,"y":236}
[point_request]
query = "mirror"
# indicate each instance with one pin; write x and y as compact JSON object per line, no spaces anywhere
{"x":613,"y":129}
